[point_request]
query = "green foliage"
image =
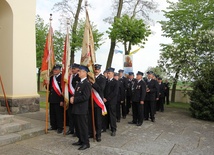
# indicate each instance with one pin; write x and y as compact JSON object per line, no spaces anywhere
{"x":98,"y":40}
{"x":59,"y":41}
{"x":202,"y":96}
{"x":41,"y":33}
{"x":189,"y":24}
{"x":129,"y":31}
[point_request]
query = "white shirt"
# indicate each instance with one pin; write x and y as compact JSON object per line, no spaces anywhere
{"x":97,"y":75}
{"x":83,"y":79}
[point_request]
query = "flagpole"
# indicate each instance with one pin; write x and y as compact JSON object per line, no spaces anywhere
{"x":5,"y":98}
{"x":47,"y":90}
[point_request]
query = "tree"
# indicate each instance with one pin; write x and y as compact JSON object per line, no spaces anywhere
{"x":129,"y":31}
{"x":139,"y":9}
{"x":41,"y":33}
{"x":185,"y":21}
{"x":157,"y":70}
{"x":202,"y":98}
{"x":73,"y":10}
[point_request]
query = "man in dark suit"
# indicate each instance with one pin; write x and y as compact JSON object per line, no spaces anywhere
{"x":167,"y":87}
{"x":160,"y":103}
{"x":120,"y":96}
{"x":73,"y":79}
{"x":137,"y":99}
{"x":80,"y":102}
{"x":99,"y":86}
{"x":130,"y":84}
{"x":56,"y":100}
{"x":151,"y":96}
{"x":110,"y":99}
{"x":124,"y":80}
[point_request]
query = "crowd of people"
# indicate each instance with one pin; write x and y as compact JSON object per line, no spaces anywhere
{"x":120,"y":93}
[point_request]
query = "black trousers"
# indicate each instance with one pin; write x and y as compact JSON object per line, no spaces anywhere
{"x":161,"y":104}
{"x":118,"y":111}
{"x":128,"y":104}
{"x":81,"y":125}
{"x":111,"y":110}
{"x":70,"y":118}
{"x":149,"y":109}
{"x":56,"y":115}
{"x":98,"y":121}
{"x":134,"y":112}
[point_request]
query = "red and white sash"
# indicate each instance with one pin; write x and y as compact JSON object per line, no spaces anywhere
{"x":56,"y":86}
{"x":98,"y":100}
{"x":70,"y":87}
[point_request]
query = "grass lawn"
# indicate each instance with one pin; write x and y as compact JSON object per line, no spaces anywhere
{"x":179,"y":105}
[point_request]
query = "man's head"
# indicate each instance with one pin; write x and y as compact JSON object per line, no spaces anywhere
{"x":56,"y":69}
{"x":159,"y":80}
{"x":83,"y":71}
{"x":116,"y":76}
{"x":74,"y":69}
{"x":121,"y":71}
{"x":97,"y":69}
{"x":139,"y":75}
{"x":110,"y":73}
{"x":105,"y":73}
{"x":131,"y":75}
{"x":150,"y":74}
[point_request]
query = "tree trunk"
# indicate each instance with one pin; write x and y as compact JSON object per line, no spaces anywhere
{"x":38,"y":80}
{"x":113,"y":41}
{"x":174,"y":86}
{"x":74,"y":29}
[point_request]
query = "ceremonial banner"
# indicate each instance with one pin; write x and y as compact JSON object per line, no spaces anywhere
{"x":65,"y":68}
{"x":48,"y":59}
{"x":88,"y":59}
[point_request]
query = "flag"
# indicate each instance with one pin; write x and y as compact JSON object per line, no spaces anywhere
{"x":135,"y":51}
{"x":65,"y":68}
{"x":118,"y":51}
{"x":48,"y":59}
{"x":88,"y":59}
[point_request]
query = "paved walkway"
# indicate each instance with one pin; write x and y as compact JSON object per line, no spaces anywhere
{"x":174,"y":132}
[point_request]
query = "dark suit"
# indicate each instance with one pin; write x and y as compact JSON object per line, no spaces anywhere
{"x":120,"y":97}
{"x":129,"y":94}
{"x":151,"y":99}
{"x":56,"y":111}
{"x":138,"y":95}
{"x":161,"y":96}
{"x":74,"y":82}
{"x":99,"y":86}
{"x":167,"y":87}
{"x":80,"y":110}
{"x":110,"y":94}
{"x":125,"y":86}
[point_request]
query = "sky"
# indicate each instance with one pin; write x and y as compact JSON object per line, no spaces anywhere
{"x":144,"y":58}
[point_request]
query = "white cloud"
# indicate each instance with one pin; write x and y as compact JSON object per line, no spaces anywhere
{"x":99,"y":10}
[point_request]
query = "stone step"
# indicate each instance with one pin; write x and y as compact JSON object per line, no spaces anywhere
{"x":15,"y":126}
{"x":4,"y":119}
{"x":22,"y":135}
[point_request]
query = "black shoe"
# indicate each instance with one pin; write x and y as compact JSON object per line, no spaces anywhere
{"x":98,"y":139}
{"x":83,"y":147}
{"x":90,"y":136}
{"x":52,"y":128}
{"x":139,"y":124}
{"x":118,"y":121}
{"x":131,"y":122}
{"x":74,"y":135}
{"x":77,"y":143}
{"x":146,"y":119}
{"x":113,"y":133}
{"x":103,"y":130}
{"x":69,"y":132}
{"x":124,"y":117}
{"x":153,"y":120}
{"x":59,"y":131}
